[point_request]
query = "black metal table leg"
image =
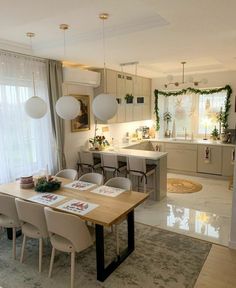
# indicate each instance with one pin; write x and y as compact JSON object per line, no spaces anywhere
{"x":102,"y":271}
{"x":9,"y":233}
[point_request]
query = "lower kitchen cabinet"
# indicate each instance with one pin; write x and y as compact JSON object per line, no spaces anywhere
{"x":181,"y":157}
{"x":212,"y":165}
{"x":228,"y":161}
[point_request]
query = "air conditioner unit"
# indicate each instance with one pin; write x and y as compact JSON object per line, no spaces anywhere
{"x":75,"y":75}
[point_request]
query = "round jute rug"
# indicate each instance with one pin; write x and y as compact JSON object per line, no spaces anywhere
{"x":176,"y":185}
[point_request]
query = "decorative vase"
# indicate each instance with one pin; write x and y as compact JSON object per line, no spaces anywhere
{"x":223,"y":137}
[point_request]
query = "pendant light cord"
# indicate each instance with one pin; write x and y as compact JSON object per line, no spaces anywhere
{"x":104,"y":56}
{"x":32,"y":62}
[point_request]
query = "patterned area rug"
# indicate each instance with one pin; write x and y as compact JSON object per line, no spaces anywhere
{"x":161,"y":259}
{"x":175,"y":185}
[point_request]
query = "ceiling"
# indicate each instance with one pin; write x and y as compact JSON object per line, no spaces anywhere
{"x":157,"y":33}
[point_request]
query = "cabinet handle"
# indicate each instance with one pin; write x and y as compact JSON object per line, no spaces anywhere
{"x":233,"y":155}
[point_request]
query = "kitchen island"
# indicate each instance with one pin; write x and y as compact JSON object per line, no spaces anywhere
{"x":151,"y":157}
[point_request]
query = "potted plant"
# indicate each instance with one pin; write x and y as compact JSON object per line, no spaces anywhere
{"x":129,"y":98}
{"x":215,"y":134}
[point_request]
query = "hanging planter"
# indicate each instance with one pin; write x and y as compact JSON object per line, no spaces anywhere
{"x":129,"y":98}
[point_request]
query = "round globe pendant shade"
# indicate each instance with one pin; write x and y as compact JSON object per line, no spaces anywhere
{"x":35,"y":107}
{"x":104,"y":106}
{"x":68,"y":107}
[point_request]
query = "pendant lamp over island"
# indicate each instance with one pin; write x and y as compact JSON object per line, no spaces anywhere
{"x":67,"y":107}
{"x":104,"y":106}
{"x":35,"y":107}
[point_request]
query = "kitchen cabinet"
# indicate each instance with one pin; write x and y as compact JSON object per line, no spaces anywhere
{"x":181,"y":157}
{"x":214,"y":163}
{"x":228,"y":161}
{"x":119,"y":84}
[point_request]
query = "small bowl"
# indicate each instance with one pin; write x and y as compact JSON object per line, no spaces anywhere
{"x":26,"y":186}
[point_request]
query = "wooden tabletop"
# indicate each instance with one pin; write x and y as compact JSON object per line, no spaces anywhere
{"x":109,"y":211}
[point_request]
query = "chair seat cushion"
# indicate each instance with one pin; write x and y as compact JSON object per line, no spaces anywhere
{"x":61,"y":243}
{"x":150,"y":167}
{"x":121,"y":164}
{"x":7,"y":222}
{"x":97,"y":160}
{"x":31,"y":231}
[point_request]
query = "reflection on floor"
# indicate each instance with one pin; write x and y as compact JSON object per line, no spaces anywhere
{"x":204,"y":214}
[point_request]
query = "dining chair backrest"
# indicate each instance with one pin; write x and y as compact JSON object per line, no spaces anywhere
{"x":137,"y":164}
{"x":86,"y":158}
{"x":8,"y":208}
{"x":67,"y":173}
{"x":68,"y":226}
{"x":120,"y":182}
{"x":109,"y":160}
{"x":95,"y":178}
{"x":33,"y":214}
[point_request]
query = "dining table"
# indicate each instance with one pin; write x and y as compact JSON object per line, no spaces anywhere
{"x":107,"y":212}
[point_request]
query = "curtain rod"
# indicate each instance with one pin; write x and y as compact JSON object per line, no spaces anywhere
{"x":22,"y":54}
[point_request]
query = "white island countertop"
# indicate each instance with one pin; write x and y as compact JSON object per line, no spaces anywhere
{"x":150,"y":155}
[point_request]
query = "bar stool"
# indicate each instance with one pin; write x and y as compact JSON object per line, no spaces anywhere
{"x":139,"y":167}
{"x":87,"y":160}
{"x":110,"y":162}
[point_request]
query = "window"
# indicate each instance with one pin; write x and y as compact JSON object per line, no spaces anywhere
{"x":193,"y":112}
{"x":26,"y":145}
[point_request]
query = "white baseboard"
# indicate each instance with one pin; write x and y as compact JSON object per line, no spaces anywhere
{"x":232,"y":244}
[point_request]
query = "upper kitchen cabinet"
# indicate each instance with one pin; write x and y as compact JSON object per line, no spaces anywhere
{"x":119,"y":84}
{"x":110,"y":85}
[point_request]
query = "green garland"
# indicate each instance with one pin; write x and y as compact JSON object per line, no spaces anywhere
{"x":196,"y":91}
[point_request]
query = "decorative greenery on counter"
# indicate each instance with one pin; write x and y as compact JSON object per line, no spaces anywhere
{"x":47,"y":186}
{"x":225,"y":114}
{"x":215,"y":133}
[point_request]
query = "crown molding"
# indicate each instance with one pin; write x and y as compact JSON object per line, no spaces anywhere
{"x":14,"y":46}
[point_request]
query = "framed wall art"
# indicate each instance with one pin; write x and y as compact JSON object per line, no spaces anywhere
{"x":82,"y":121}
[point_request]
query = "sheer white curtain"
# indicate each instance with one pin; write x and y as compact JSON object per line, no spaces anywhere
{"x":26,"y":144}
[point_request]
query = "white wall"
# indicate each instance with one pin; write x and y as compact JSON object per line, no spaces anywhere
{"x":232,"y":238}
{"x":73,"y":140}
{"x":216,"y":79}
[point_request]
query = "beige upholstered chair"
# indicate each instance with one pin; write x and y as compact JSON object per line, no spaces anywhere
{"x":122,"y":183}
{"x":9,"y":217}
{"x":111,"y":163}
{"x":67,"y":173}
{"x":33,"y":225}
{"x":138,"y":167}
{"x":87,"y":160}
{"x":94,"y":178}
{"x":68,"y":233}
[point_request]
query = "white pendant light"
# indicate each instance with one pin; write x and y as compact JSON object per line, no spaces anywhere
{"x":35,"y":107}
{"x":104,"y":106}
{"x":67,"y":107}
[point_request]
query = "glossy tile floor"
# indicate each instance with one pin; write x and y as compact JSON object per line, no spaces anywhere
{"x":205,"y":214}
